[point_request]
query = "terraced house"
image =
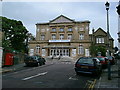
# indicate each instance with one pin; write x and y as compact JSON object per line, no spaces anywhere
{"x":61,"y":36}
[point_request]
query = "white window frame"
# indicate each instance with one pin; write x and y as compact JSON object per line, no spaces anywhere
{"x":42,"y":37}
{"x":103,"y":40}
{"x":61,"y":36}
{"x":69,"y":36}
{"x":80,"y":49}
{"x":81,"y":36}
{"x":53,"y":36}
{"x":100,"y":40}
{"x":37,"y":49}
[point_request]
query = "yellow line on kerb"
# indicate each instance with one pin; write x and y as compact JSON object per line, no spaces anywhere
{"x":92,"y":85}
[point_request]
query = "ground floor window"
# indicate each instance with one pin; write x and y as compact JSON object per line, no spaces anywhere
{"x":81,"y":50}
{"x":59,"y":52}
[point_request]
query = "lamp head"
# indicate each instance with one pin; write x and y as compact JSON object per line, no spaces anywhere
{"x":107,"y":5}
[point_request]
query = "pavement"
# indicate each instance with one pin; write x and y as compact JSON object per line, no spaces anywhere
{"x":114,"y":83}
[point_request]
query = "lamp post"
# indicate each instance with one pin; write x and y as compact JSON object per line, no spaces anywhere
{"x":108,"y":53}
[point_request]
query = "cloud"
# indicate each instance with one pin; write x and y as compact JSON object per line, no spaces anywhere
{"x":31,"y":13}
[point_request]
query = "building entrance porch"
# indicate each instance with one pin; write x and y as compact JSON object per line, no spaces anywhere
{"x":59,"y":52}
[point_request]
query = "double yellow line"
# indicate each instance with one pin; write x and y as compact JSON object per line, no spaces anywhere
{"x":91,"y":86}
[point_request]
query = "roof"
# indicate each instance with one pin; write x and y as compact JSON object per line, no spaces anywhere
{"x":100,"y":29}
{"x":62,"y":19}
{"x":107,"y":33}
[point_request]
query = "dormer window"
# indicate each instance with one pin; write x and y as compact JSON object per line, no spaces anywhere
{"x":100,"y":40}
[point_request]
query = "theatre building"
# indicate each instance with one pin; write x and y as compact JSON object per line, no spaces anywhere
{"x":61,"y":36}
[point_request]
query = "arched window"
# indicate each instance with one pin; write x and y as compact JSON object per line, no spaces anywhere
{"x":37,"y":49}
{"x":80,"y":49}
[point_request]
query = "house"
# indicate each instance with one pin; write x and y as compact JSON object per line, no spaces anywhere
{"x":102,"y":38}
{"x":61,"y":36}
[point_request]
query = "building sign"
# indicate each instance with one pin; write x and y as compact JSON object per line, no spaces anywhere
{"x":73,"y":52}
{"x":31,"y":52}
{"x":43,"y":52}
{"x":59,"y":40}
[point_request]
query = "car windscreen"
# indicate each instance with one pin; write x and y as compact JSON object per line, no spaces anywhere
{"x":101,"y":59}
{"x":110,"y":58}
{"x":85,"y":60}
{"x":31,"y":58}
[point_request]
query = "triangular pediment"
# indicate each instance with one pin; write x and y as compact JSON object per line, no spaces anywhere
{"x":61,"y":19}
{"x":100,"y":31}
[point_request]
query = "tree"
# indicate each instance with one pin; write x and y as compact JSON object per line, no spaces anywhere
{"x":14,"y":34}
{"x":29,"y":38}
{"x":116,"y":49}
{"x":95,"y":49}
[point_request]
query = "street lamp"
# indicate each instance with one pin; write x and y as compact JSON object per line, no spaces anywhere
{"x":108,"y":54}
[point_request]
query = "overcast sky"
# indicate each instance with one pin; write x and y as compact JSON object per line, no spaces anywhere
{"x":31,"y":13}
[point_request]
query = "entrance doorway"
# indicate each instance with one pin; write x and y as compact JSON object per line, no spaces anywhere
{"x":59,"y":52}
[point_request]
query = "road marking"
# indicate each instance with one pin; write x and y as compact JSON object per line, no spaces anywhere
{"x":40,"y":74}
{"x":73,"y":78}
{"x":92,"y":84}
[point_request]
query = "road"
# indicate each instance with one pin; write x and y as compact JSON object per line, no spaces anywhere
{"x":57,"y":75}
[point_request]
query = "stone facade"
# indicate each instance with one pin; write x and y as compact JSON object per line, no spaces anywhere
{"x":100,"y":38}
{"x":61,"y":37}
{"x":66,"y":37}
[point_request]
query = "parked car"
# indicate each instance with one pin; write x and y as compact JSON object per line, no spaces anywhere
{"x":88,"y":65}
{"x":112,"y":60}
{"x":103,"y":61}
{"x":34,"y":60}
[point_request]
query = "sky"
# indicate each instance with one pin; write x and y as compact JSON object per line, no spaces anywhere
{"x":31,"y":13}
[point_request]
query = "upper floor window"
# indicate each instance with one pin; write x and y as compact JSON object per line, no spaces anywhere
{"x":61,"y":29}
{"x":81,"y":29}
{"x":70,"y":29}
{"x":87,"y":27}
{"x":61,"y":36}
{"x":42,"y":37}
{"x":53,"y":29}
{"x":38,"y":29}
{"x":81,"y":36}
{"x":53,"y":36}
{"x":69,"y":36}
{"x":99,"y":40}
